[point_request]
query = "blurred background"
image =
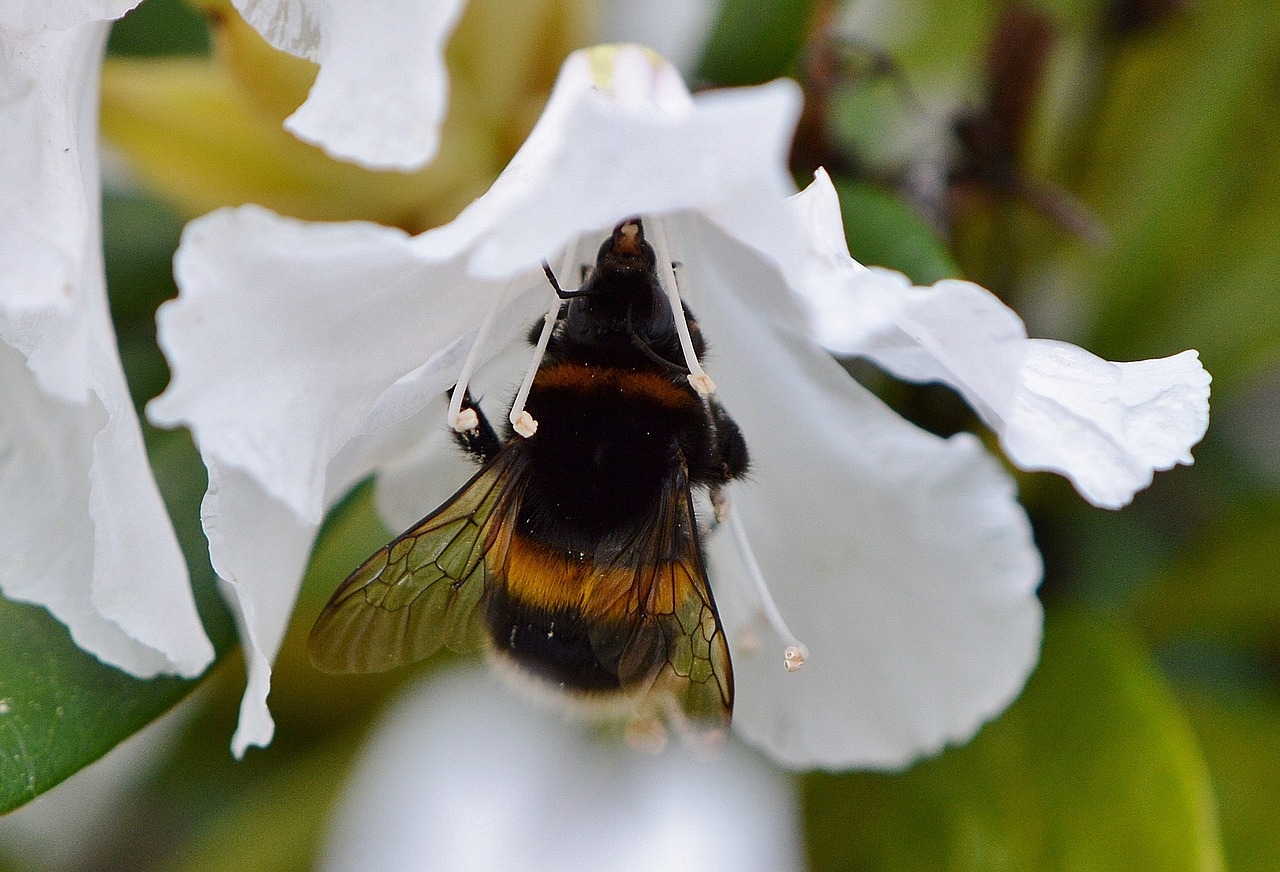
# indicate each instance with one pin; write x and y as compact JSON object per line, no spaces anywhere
{"x":1110,"y":168}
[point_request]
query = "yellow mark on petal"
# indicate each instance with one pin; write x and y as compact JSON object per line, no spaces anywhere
{"x":603,"y":60}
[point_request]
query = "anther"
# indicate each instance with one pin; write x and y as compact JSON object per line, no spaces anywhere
{"x":794,"y":656}
{"x":524,"y":424}
{"x":466,"y":420}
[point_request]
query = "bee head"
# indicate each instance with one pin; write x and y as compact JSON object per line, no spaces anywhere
{"x":623,"y":301}
{"x":625,"y":252}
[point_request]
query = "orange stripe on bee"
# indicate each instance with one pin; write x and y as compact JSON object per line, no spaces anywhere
{"x":556,"y":579}
{"x":587,"y":378}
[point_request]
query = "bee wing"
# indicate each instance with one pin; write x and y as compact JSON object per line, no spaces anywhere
{"x":675,"y":646}
{"x":424,"y":589}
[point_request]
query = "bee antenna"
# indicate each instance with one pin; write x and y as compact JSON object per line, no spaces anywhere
{"x":561,"y":293}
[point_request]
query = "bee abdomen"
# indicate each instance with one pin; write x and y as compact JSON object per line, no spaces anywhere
{"x":553,"y":646}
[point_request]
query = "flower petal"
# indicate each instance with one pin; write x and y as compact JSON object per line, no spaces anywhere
{"x":382,"y":90}
{"x":259,"y":548}
{"x":1105,"y":426}
{"x":32,"y":15}
{"x":420,"y":464}
{"x":286,"y":334}
{"x":479,"y":779}
{"x":621,"y":136}
{"x":903,"y":561}
{"x":83,"y":530}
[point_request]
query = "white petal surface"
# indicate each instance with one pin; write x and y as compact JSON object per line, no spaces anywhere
{"x":621,"y":136}
{"x":903,"y":561}
{"x":82,"y":528}
{"x":461,"y":775}
{"x":428,"y":466}
{"x":31,"y":15}
{"x":954,"y":332}
{"x":287,"y":333}
{"x":1105,"y":426}
{"x":259,"y":548}
{"x":382,"y":90}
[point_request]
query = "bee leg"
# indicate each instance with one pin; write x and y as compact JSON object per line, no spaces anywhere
{"x":731,"y":447}
{"x":480,"y":441}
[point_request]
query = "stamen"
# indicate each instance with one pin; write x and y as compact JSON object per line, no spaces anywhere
{"x":521,"y":421}
{"x":463,"y":420}
{"x":795,"y":654}
{"x":698,"y":378}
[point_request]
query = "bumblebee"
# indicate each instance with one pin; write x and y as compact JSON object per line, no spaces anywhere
{"x":573,"y":556}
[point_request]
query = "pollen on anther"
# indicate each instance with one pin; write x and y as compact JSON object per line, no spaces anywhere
{"x":702,"y":383}
{"x":525,"y":425}
{"x":466,"y":420}
{"x":794,"y":657}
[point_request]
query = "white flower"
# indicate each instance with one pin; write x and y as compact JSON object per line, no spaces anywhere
{"x":382,"y":90}
{"x":306,"y":356}
{"x":83,"y":531}
{"x":1105,"y":426}
{"x":479,"y":781}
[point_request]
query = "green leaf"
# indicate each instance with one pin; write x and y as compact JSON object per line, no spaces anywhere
{"x":1094,"y":767}
{"x":754,"y":41}
{"x":883,"y":230}
{"x":160,"y":27}
{"x":60,"y":708}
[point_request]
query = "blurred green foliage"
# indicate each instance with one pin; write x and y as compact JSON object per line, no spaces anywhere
{"x":160,"y":27}
{"x":1129,"y":206}
{"x":1094,"y":767}
{"x":754,"y":41}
